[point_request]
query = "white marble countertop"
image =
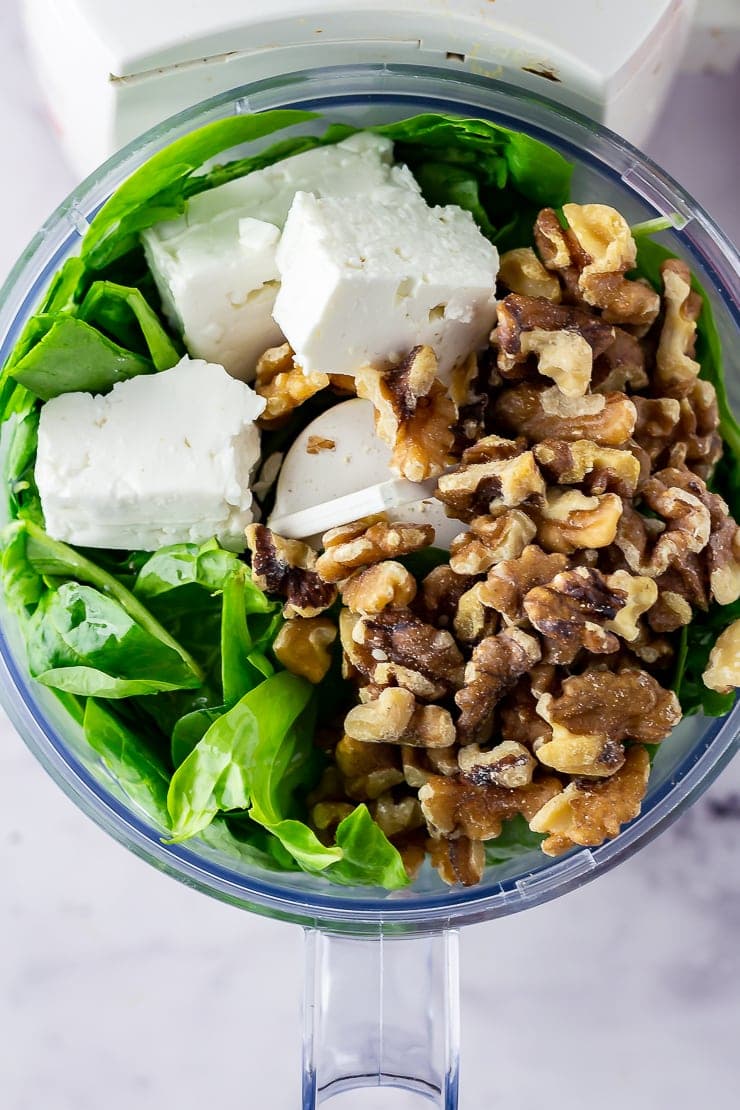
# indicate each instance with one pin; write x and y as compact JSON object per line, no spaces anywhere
{"x":120,"y":988}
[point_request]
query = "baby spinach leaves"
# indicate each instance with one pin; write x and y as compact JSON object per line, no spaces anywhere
{"x":157,"y":190}
{"x":257,"y":757}
{"x":501,"y":177}
{"x":81,"y":641}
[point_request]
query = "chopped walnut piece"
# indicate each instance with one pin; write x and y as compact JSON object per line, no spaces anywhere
{"x":394,"y":717}
{"x":327,"y":815}
{"x":657,"y":419}
{"x":588,"y":813}
{"x":518,"y":716}
{"x":368,"y":541}
{"x":414,"y":413}
{"x":384,"y":719}
{"x":302,"y":646}
{"x":573,"y":608}
{"x":599,"y":469}
{"x":655,"y":651}
{"x":681,"y":588}
{"x":697,"y":443}
{"x":604,"y":237}
{"x":569,"y":520}
{"x":411,"y":847}
{"x":490,"y":540}
{"x":591,"y":258}
{"x":368,"y":770}
{"x":565,"y":340}
{"x":676,"y":371}
{"x":283,"y":384}
{"x":723,"y":670}
{"x":454,"y":807}
{"x":551,"y":242}
{"x":471,"y":384}
{"x":670,"y":612}
{"x":521,"y":271}
{"x":286,"y":567}
{"x":583,"y":753}
{"x":510,"y":581}
{"x":621,"y":366}
{"x":688,"y":526}
{"x":640,"y":595}
{"x":462,"y":381}
{"x":627,"y":705}
{"x":539,"y":413}
{"x":474,"y":619}
{"x":722,"y":552}
{"x":458,"y":861}
{"x":441,"y":591}
{"x":495,"y":665}
{"x":605,"y":250}
{"x":317,"y":444}
{"x":395,"y":817}
{"x":494,"y":474}
{"x":398,"y":648}
{"x":380,"y":586}
{"x":508,"y":764}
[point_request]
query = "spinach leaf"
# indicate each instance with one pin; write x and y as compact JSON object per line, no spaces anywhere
{"x":219,"y":773}
{"x":208,"y":566}
{"x":125,"y":315}
{"x":442,"y":183}
{"x":516,"y":839}
{"x":501,"y":177}
{"x":368,"y":857}
{"x":128,"y":757}
{"x":286,"y":148}
{"x":18,"y":471}
{"x":362,"y":853}
{"x":53,"y":558}
{"x":190,"y":729}
{"x":22,"y":584}
{"x":81,"y":641}
{"x":696,"y":642}
{"x":501,"y":157}
{"x":156,"y":191}
{"x":74,"y":357}
{"x":246,"y":842}
{"x":238,"y":673}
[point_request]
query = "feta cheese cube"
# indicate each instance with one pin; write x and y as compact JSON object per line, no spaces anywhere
{"x":364,"y":282}
{"x":163,"y":458}
{"x":215,"y":266}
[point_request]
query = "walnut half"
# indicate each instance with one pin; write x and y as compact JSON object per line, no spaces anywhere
{"x":723,"y":671}
{"x":414,"y":413}
{"x":286,"y":567}
{"x":588,"y":813}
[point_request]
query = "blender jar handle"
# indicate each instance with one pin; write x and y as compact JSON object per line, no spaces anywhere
{"x":381,"y":1010}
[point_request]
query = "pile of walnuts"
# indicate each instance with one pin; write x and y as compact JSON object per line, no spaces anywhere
{"x":526,"y":675}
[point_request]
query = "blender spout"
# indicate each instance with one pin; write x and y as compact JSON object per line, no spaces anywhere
{"x":381,"y":1010}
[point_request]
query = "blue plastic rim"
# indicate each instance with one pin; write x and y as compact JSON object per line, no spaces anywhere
{"x":365,"y":94}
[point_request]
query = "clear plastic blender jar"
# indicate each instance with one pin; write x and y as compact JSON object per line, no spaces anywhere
{"x":381,"y":983}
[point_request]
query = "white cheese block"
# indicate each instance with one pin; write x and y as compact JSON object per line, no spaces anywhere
{"x":321,"y":489}
{"x":163,"y":458}
{"x":215,"y":266}
{"x":363,"y":283}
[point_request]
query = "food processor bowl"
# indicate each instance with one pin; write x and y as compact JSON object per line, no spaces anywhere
{"x":381,"y":984}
